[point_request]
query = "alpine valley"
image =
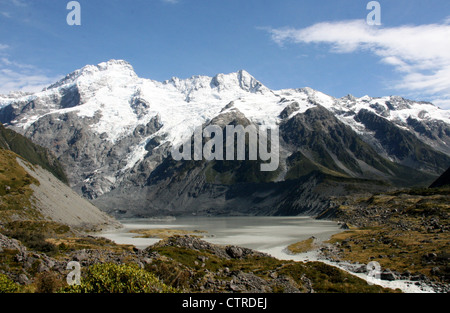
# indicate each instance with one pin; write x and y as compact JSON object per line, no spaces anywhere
{"x":113,"y":131}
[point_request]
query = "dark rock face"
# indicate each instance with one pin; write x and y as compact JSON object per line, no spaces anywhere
{"x":403,"y":146}
{"x":90,"y":158}
{"x":387,"y":275}
{"x":290,"y":109}
{"x":329,"y":142}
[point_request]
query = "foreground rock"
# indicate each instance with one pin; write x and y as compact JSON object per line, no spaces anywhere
{"x":182,"y":262}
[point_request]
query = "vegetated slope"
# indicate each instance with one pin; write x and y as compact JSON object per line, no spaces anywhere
{"x":318,"y":137}
{"x":406,"y":231}
{"x":30,"y":192}
{"x":15,"y":189}
{"x":35,"y":154}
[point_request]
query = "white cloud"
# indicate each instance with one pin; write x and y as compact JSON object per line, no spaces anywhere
{"x":16,"y":81}
{"x":15,"y":76}
{"x":420,"y":53}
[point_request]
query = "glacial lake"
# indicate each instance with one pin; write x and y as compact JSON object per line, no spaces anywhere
{"x":266,"y":234}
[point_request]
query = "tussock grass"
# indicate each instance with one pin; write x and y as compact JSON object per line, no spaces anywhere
{"x":400,"y":229}
{"x":302,"y":246}
{"x":166,"y":233}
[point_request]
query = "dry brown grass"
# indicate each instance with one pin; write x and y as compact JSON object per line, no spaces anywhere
{"x":302,"y":246}
{"x":166,"y":233}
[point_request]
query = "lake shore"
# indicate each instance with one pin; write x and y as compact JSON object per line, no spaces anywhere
{"x":267,"y":234}
{"x":322,"y":251}
{"x":250,"y":229}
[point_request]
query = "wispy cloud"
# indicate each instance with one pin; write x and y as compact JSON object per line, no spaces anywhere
{"x":19,"y":3}
{"x":420,"y":53}
{"x":16,"y":76}
{"x":12,"y":8}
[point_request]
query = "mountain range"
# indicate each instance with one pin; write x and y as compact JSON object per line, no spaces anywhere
{"x":113,"y":132}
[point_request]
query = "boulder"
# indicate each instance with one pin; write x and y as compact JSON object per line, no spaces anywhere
{"x":23,"y":279}
{"x":235,"y":252}
{"x":387,"y":275}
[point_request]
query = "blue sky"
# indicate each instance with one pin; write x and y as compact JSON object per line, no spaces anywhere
{"x":322,"y":44}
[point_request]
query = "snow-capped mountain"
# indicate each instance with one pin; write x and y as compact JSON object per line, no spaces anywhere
{"x":112,"y":128}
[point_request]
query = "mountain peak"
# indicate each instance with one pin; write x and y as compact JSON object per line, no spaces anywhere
{"x":243,"y":74}
{"x":241,"y":78}
{"x":115,"y":64}
{"x":233,"y":82}
{"x":112,"y":68}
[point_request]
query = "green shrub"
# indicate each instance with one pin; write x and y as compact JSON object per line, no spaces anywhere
{"x":171,"y":273}
{"x":48,"y":282}
{"x":7,"y":285}
{"x":33,"y":240}
{"x":124,"y":278}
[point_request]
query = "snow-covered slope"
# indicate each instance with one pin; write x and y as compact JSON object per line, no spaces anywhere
{"x":124,"y":100}
{"x":107,"y":124}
